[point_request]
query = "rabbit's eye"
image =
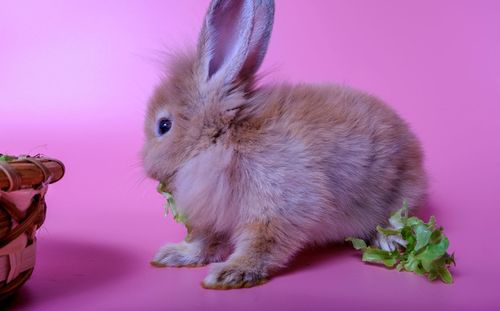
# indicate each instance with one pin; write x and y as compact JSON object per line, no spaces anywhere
{"x":164,"y":125}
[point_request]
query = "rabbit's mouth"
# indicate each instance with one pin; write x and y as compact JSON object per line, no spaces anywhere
{"x":168,"y":181}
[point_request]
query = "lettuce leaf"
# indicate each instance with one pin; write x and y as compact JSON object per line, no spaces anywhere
{"x":5,"y":157}
{"x":422,"y":247}
{"x":170,"y":205}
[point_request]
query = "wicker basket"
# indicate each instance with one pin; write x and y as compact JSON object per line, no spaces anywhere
{"x":23,"y":184}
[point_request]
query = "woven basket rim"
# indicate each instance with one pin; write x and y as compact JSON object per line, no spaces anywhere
{"x":29,"y":171}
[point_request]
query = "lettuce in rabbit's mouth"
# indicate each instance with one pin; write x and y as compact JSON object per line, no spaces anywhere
{"x":170,"y":205}
{"x":422,"y":247}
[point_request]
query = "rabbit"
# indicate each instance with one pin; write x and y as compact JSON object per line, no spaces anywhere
{"x":262,"y":171}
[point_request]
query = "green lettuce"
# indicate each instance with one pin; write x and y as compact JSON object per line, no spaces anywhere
{"x":422,"y":247}
{"x":170,"y":205}
{"x":5,"y":157}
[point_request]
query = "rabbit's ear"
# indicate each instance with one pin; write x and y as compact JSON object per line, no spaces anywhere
{"x":234,"y":38}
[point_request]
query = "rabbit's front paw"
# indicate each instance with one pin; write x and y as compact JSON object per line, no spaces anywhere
{"x":230,"y":275}
{"x":183,"y":254}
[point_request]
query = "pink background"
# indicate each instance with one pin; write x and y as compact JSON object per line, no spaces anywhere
{"x":74,"y":79}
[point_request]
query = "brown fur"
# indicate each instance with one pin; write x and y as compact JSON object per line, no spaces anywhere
{"x":262,"y":172}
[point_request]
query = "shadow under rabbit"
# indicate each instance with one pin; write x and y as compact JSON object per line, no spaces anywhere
{"x":314,"y":257}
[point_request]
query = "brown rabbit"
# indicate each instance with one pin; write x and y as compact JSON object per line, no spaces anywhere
{"x":260,"y":172}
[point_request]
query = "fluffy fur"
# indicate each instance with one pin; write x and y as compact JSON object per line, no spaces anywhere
{"x":262,"y":172}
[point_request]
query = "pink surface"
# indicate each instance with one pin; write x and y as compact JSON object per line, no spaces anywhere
{"x":74,"y":79}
